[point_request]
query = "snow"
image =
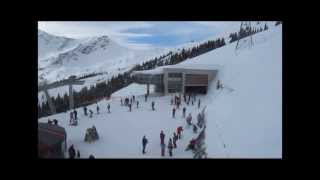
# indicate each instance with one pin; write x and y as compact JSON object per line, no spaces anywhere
{"x":121,"y":131}
{"x":244,"y":119}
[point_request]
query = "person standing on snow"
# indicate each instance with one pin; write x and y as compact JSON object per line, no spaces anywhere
{"x":170,"y":147}
{"x":184,"y":112}
{"x":130,"y":107}
{"x":173,"y":112}
{"x":91,"y":112}
{"x":108,"y":108}
{"x":163,"y":149}
{"x":78,"y":154}
{"x":133,"y":98}
{"x":71,"y":117}
{"x":199,"y":103}
{"x":144,"y":144}
{"x":189,"y":119}
{"x":137,"y":104}
{"x":98,"y":109}
{"x":85,"y":110}
{"x":72,"y":152}
{"x":145,"y":97}
{"x":175,"y":138}
{"x":162,"y":136}
{"x":152,"y":105}
{"x":179,"y":131}
{"x":75,"y":114}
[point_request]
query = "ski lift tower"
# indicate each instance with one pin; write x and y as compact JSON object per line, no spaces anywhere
{"x":246,"y":25}
{"x":68,"y":82}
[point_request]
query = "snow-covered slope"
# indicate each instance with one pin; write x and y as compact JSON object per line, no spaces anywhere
{"x":246,"y":116}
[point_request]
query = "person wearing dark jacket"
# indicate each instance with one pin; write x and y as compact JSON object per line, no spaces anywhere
{"x":78,"y":154}
{"x":162,"y":136}
{"x":75,"y":114}
{"x":108,"y":108}
{"x":173,"y":112}
{"x":184,"y":112}
{"x":72,"y":152}
{"x":144,"y":144}
{"x":137,"y":104}
{"x":170,"y":147}
{"x":98,"y":109}
{"x":152,"y":105}
{"x":85,"y":110}
{"x":199,"y":103}
{"x":91,"y":112}
{"x":175,"y":138}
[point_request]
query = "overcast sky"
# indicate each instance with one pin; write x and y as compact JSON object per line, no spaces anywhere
{"x":142,"y":34}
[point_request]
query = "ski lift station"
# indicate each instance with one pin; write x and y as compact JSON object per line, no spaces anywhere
{"x":179,"y":78}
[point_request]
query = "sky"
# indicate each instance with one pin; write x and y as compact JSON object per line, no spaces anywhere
{"x":142,"y":34}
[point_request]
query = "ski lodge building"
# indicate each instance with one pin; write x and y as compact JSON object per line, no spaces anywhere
{"x":178,"y":78}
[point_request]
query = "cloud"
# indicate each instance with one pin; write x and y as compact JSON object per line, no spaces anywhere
{"x":138,"y":34}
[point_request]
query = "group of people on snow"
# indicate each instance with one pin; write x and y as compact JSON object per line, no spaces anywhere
{"x":172,"y":143}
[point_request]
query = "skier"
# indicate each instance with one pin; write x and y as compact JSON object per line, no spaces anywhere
{"x":178,"y":103}
{"x":145,"y":97}
{"x":98,"y":109}
{"x":189,"y":119}
{"x":199,"y":103}
{"x":91,"y":112}
{"x":184,"y":112}
{"x":133,"y":98}
{"x":55,"y":122}
{"x":184,"y":98}
{"x":144,"y":144}
{"x":192,"y":102}
{"x":130,"y":107}
{"x":195,"y":129}
{"x":163,"y":149}
{"x":162,"y":136}
{"x":152,"y":105}
{"x":108,"y":108}
{"x":75,"y":114}
{"x":173,"y":112}
{"x":137,"y":104}
{"x":218,"y":84}
{"x":175,"y":138}
{"x":179,"y":131}
{"x":170,"y":147}
{"x":78,"y":154}
{"x":85,"y":110}
{"x":72,"y":152}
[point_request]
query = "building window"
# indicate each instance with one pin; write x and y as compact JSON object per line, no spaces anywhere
{"x":175,"y":75}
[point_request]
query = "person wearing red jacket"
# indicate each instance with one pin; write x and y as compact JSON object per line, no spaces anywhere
{"x":179,"y":131}
{"x":162,"y":136}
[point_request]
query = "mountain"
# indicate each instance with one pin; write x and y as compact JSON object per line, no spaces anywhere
{"x":50,"y":45}
{"x":77,"y":57}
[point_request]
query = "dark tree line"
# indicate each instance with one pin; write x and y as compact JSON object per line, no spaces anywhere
{"x":245,"y":32}
{"x":86,"y":95}
{"x":175,"y":58}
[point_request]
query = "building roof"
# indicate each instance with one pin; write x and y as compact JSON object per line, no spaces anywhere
{"x":50,"y":134}
{"x":160,"y":70}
